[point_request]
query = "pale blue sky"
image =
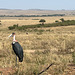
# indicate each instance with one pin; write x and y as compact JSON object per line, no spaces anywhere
{"x":38,"y":4}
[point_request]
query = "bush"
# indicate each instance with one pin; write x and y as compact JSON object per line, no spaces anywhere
{"x":13,"y":27}
{"x":73,"y":56}
{"x":62,"y":19}
{"x":56,"y":21}
{"x":0,"y":22}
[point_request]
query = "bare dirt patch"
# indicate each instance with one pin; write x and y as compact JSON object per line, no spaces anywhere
{"x":7,"y":70}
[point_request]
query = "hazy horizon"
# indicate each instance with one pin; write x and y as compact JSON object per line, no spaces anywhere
{"x":37,"y":4}
{"x":37,"y":9}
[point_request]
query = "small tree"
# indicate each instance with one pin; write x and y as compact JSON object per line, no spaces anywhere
{"x":62,"y":19}
{"x":0,"y":22}
{"x":56,"y":21}
{"x":42,"y":21}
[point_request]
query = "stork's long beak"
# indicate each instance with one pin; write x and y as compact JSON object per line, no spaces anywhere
{"x":10,"y":35}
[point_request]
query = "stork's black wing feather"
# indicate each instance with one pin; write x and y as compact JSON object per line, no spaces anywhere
{"x":18,"y":50}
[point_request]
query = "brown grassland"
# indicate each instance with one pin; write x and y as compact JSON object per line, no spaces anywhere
{"x":53,"y":45}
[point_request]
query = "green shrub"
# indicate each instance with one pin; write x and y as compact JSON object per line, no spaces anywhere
{"x":56,"y":21}
{"x":48,"y":30}
{"x":73,"y":56}
{"x":13,"y":27}
{"x":62,"y":19}
{"x":0,"y":22}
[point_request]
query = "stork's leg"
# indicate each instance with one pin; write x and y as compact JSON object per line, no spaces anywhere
{"x":16,"y":61}
{"x":16,"y":58}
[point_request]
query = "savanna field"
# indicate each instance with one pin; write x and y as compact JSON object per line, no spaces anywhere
{"x":41,"y":46}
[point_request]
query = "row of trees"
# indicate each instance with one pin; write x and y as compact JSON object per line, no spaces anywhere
{"x":32,"y":15}
{"x":43,"y":21}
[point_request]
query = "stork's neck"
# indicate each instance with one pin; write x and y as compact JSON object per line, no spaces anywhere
{"x":14,"y":39}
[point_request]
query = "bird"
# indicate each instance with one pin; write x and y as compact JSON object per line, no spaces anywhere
{"x":17,"y":48}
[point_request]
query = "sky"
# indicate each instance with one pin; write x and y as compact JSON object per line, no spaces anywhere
{"x":38,"y":4}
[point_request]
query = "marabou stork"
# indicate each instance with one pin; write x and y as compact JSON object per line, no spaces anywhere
{"x":17,"y":48}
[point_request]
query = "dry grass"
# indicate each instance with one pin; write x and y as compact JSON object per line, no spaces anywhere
{"x":54,"y":46}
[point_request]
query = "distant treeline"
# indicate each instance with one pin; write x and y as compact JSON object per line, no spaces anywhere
{"x":56,"y":24}
{"x":31,"y":15}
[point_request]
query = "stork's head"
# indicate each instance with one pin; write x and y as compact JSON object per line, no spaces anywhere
{"x":11,"y":35}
